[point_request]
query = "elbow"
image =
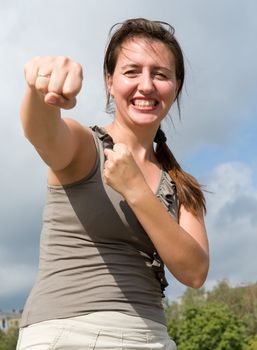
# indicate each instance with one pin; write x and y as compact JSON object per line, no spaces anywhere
{"x":197,"y":283}
{"x":199,"y":279}
{"x":199,"y":276}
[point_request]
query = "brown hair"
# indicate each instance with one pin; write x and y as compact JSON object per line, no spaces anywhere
{"x":188,"y":189}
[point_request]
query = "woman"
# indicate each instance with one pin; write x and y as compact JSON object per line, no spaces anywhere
{"x":117,"y":208}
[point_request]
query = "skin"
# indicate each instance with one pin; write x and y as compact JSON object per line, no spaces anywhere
{"x":144,"y":86}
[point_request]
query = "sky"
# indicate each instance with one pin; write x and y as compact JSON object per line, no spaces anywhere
{"x":215,"y":140}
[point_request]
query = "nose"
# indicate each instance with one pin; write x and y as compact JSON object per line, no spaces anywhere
{"x":146,"y":85}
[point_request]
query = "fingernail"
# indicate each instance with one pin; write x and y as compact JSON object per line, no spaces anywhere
{"x":52,"y":100}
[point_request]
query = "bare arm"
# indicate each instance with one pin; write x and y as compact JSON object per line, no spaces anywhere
{"x":183,"y":247}
{"x":53,"y":83}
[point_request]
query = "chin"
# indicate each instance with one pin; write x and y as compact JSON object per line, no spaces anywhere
{"x":146,"y":120}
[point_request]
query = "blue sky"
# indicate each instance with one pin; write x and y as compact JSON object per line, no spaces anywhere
{"x":215,"y":139}
{"x":242,"y":146}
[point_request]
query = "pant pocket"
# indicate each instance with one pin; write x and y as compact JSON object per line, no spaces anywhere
{"x":73,"y":338}
{"x":40,"y":336}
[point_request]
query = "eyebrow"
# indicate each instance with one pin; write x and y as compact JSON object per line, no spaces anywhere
{"x":132,"y":65}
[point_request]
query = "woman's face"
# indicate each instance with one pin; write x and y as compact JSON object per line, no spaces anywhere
{"x":143,"y":84}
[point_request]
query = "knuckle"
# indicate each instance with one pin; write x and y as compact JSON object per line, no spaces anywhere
{"x":77,"y":69}
{"x":32,"y":61}
{"x":62,"y":61}
{"x":45,"y":61}
{"x":30,"y":65}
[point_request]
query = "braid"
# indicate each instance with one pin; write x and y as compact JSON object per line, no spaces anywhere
{"x":188,"y":189}
{"x":160,"y":137}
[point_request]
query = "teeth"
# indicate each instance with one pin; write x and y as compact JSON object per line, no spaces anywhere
{"x":144,"y":103}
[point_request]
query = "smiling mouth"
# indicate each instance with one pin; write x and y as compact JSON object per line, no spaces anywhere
{"x":144,"y":103}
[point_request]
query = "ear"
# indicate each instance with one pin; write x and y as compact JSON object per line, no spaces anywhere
{"x":109,"y":84}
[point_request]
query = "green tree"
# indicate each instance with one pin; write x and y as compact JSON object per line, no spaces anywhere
{"x":172,"y":311}
{"x":11,"y":338}
{"x":241,"y":300}
{"x":193,"y":298}
{"x":251,"y":343}
{"x":210,"y":327}
{"x":2,"y":340}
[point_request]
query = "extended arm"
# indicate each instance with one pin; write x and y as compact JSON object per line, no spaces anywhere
{"x":53,"y":83}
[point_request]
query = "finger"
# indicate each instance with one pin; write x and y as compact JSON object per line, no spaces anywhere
{"x":108,"y":153}
{"x":73,"y":81}
{"x":31,"y":71}
{"x":108,"y":164}
{"x":42,"y":82}
{"x":43,"y":74}
{"x":120,"y":147}
{"x":59,"y":101}
{"x":57,"y":80}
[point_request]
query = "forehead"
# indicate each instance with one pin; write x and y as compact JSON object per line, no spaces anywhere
{"x":137,"y":50}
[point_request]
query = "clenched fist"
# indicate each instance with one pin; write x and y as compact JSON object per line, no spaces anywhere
{"x":121,"y":171}
{"x":57,"y":79}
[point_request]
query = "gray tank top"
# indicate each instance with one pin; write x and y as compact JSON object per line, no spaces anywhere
{"x":94,"y":254}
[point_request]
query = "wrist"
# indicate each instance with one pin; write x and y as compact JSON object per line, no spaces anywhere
{"x":136,"y":194}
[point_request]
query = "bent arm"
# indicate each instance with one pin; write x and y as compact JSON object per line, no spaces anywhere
{"x":183,"y":247}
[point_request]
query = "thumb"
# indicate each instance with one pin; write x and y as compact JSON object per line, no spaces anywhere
{"x":108,"y":153}
{"x":53,"y":99}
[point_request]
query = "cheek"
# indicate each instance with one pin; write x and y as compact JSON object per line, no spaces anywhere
{"x":169,"y":93}
{"x":173,"y":90}
{"x":122,"y":88}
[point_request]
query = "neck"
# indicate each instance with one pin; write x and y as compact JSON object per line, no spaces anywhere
{"x":139,"y":140}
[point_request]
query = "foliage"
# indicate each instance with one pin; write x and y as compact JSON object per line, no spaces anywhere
{"x":2,"y":340}
{"x":242,"y":301}
{"x":193,"y":298}
{"x":173,"y":321}
{"x":9,"y":339}
{"x":12,"y":337}
{"x":209,"y":327}
{"x":251,"y":343}
{"x":222,"y":319}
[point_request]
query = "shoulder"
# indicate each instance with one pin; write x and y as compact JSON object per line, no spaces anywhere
{"x":84,"y":157}
{"x":79,"y":129}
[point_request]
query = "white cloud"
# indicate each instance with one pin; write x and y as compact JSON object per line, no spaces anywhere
{"x":221,"y":82}
{"x":232,"y":223}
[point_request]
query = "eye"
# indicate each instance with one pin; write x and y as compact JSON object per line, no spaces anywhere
{"x":160,"y":75}
{"x":131,"y":73}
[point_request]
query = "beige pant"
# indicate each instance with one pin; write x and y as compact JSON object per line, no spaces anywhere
{"x":98,"y":330}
